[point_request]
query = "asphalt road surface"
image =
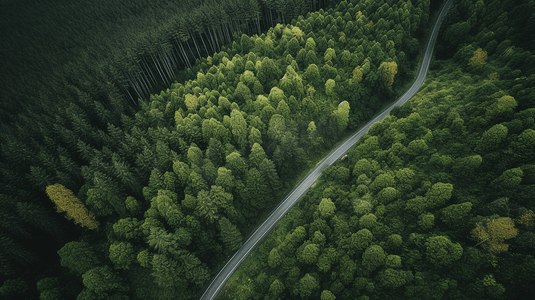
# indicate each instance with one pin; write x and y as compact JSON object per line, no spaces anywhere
{"x":302,"y":187}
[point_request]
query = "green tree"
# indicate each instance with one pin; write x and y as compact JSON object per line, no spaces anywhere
{"x":440,"y":251}
{"x":326,"y":208}
{"x":455,"y":214}
{"x":165,"y":271}
{"x":508,"y":180}
{"x":426,"y":221}
{"x":309,"y":255}
{"x":236,"y":163}
{"x":393,"y":261}
{"x":382,"y":181}
{"x":491,"y":139}
{"x":373,"y":257}
{"x":307,"y":286}
{"x":438,"y":194}
{"x":230,"y":235}
{"x":274,"y":258}
{"x":341,"y":116}
{"x":102,"y":280}
{"x":327,"y":295}
{"x":329,"y":88}
{"x":391,"y":278}
{"x":225,"y":178}
{"x":161,"y":240}
{"x":238,"y":127}
{"x":312,"y":75}
{"x":368,"y":221}
{"x":122,"y":255}
{"x":361,"y":239}
{"x":276,"y":288}
{"x":79,"y":257}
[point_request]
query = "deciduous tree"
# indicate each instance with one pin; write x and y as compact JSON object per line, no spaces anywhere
{"x":66,"y":202}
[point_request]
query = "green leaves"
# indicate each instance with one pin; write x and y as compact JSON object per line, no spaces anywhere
{"x":79,"y":257}
{"x":122,"y":255}
{"x":441,"y":252}
{"x":230,"y":235}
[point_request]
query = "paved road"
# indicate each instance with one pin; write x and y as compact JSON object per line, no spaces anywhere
{"x":302,"y":187}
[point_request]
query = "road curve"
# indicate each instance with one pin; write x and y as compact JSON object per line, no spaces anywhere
{"x":302,"y":187}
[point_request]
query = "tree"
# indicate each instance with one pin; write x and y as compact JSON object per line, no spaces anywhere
{"x":440,"y":251}
{"x":312,"y":75}
{"x":191,"y":102}
{"x":508,"y":180}
{"x":492,"y":234}
{"x":454,"y":214}
{"x":362,"y":206}
{"x":326,"y":208}
{"x":78,"y":257}
{"x":306,"y":286}
{"x":478,"y":60}
{"x":329,"y":88}
{"x":327,"y":295}
{"x":438,"y":194}
{"x":128,"y":228}
{"x":391,"y":278}
{"x":341,"y":116}
{"x":238,"y":126}
{"x":373,"y":257}
{"x":360,"y":240}
{"x":207,"y":207}
{"x":161,"y":240}
{"x":274,"y":258}
{"x":276,"y":288}
{"x":382,"y":181}
{"x":314,"y":138}
{"x":393,"y":261}
{"x":122,"y":255}
{"x":387,"y":195}
{"x":166,"y":272}
{"x":492,"y":138}
{"x":387,"y":71}
{"x":309,"y":255}
{"x":102,"y":280}
{"x":230,"y":235}
{"x":257,"y":190}
{"x":257,"y":155}
{"x":224,"y":178}
{"x":426,"y":221}
{"x":66,"y":202}
{"x":368,"y":221}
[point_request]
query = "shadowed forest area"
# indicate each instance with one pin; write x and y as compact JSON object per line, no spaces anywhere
{"x":144,"y":142}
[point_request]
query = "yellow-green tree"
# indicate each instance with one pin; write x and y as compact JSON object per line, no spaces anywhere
{"x":478,"y":60}
{"x":387,"y":71}
{"x":493,"y":233}
{"x":74,"y":209}
{"x":357,"y":74}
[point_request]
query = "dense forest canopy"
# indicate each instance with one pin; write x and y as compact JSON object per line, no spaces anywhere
{"x":169,"y":184}
{"x":157,"y":189}
{"x":436,"y":200}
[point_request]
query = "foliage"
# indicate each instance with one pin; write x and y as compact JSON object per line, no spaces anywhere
{"x":66,"y":202}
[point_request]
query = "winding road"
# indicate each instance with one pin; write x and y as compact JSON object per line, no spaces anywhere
{"x":302,"y":187}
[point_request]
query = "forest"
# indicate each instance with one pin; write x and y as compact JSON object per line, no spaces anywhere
{"x":139,"y":153}
{"x":436,"y":200}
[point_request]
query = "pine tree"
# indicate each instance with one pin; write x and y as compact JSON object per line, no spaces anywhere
{"x":230,"y":235}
